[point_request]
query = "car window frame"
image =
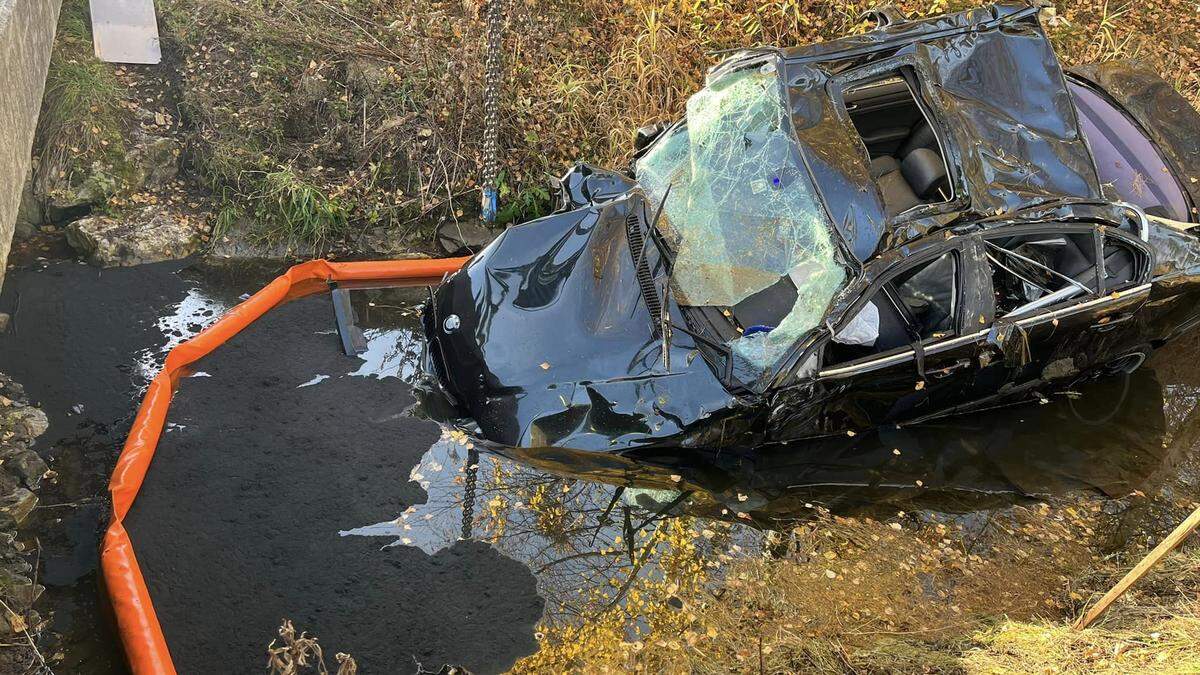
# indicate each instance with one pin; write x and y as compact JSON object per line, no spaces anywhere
{"x":1140,"y":285}
{"x":884,"y":285}
{"x":905,"y":66}
{"x":1053,"y":227}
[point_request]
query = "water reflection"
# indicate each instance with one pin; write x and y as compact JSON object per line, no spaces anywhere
{"x":1109,"y":436}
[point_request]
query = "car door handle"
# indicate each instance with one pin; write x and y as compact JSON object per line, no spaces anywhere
{"x":1110,"y":324}
{"x":947,"y":370}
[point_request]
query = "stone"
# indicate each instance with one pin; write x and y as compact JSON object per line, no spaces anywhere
{"x":8,"y":483}
{"x":76,"y":194}
{"x":16,"y":507}
{"x":154,"y":159}
{"x":148,"y":234}
{"x":26,"y":421}
{"x":239,"y":242}
{"x":464,"y":237}
{"x":29,"y":466}
{"x":29,"y":211}
{"x":72,"y":192}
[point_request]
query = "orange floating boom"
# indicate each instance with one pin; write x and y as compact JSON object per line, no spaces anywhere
{"x":145,"y":647}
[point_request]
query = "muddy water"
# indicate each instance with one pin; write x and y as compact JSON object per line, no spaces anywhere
{"x":609,"y":540}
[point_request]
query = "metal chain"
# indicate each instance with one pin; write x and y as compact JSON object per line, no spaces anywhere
{"x":468,"y":511}
{"x":493,"y":74}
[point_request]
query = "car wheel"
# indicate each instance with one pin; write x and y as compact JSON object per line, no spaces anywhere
{"x":1129,"y":362}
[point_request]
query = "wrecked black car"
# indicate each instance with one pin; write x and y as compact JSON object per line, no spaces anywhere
{"x":925,"y":219}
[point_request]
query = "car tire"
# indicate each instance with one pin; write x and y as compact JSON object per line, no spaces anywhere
{"x":1129,"y":362}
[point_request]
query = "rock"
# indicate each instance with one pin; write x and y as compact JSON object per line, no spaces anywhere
{"x":29,"y":466}
{"x":8,"y":483}
{"x":26,"y":421}
{"x":239,"y":243}
{"x":154,"y":159}
{"x":29,"y":211}
{"x":71,"y":192}
{"x":19,"y":590}
{"x":464,"y":237}
{"x":16,"y":507}
{"x":149,"y":234}
{"x":76,"y":195}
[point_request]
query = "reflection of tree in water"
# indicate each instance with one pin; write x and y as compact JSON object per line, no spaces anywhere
{"x":610,"y":562}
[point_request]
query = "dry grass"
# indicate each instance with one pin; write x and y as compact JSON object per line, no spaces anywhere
{"x":838,"y":594}
{"x":856,"y":595}
{"x":375,"y":104}
{"x":83,"y":116}
{"x":1155,"y":629}
{"x":300,"y":653}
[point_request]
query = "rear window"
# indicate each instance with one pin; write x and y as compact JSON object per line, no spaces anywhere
{"x":1129,"y":164}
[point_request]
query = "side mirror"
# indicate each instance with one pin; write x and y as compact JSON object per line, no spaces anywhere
{"x":646,"y":135}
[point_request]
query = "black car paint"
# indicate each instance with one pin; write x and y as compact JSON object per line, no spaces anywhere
{"x":552,"y":343}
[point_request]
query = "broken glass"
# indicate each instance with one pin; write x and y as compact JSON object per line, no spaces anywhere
{"x":742,"y":214}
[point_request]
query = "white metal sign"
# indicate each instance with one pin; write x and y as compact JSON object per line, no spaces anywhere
{"x":125,"y":31}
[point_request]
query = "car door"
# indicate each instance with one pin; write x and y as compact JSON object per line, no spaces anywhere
{"x":896,"y":355}
{"x":1035,"y":338}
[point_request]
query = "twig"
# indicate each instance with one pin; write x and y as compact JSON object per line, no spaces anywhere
{"x":1174,"y":539}
{"x":28,"y":637}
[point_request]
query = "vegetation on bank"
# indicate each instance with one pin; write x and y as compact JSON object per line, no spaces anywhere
{"x":81,"y":131}
{"x":321,"y":120}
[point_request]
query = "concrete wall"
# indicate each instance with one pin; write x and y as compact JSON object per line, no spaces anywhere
{"x":26,"y":37}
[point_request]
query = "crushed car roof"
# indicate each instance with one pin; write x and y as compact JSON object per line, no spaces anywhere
{"x":998,"y":101}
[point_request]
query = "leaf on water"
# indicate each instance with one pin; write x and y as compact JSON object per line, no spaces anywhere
{"x":17,"y":623}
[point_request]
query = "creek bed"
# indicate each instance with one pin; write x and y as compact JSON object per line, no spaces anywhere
{"x":295,"y":482}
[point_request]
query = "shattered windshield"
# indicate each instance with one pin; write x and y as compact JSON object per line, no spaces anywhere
{"x":743,"y":217}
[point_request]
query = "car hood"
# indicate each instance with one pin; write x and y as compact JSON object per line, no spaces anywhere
{"x":544,"y":338}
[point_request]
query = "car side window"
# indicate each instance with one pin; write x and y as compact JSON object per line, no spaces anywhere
{"x":928,"y":293}
{"x":877,"y":327}
{"x":921,"y":300}
{"x":1120,"y":264}
{"x":1040,"y":269}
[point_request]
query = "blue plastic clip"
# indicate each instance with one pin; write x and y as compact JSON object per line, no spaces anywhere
{"x":491,"y":199}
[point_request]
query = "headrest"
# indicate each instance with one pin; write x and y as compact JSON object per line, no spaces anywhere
{"x":883,"y":164}
{"x":925,"y":172}
{"x":922,"y":137}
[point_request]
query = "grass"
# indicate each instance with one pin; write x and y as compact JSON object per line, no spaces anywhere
{"x":860,"y":596}
{"x":80,"y":131}
{"x":297,"y":211}
{"x":279,"y":84}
